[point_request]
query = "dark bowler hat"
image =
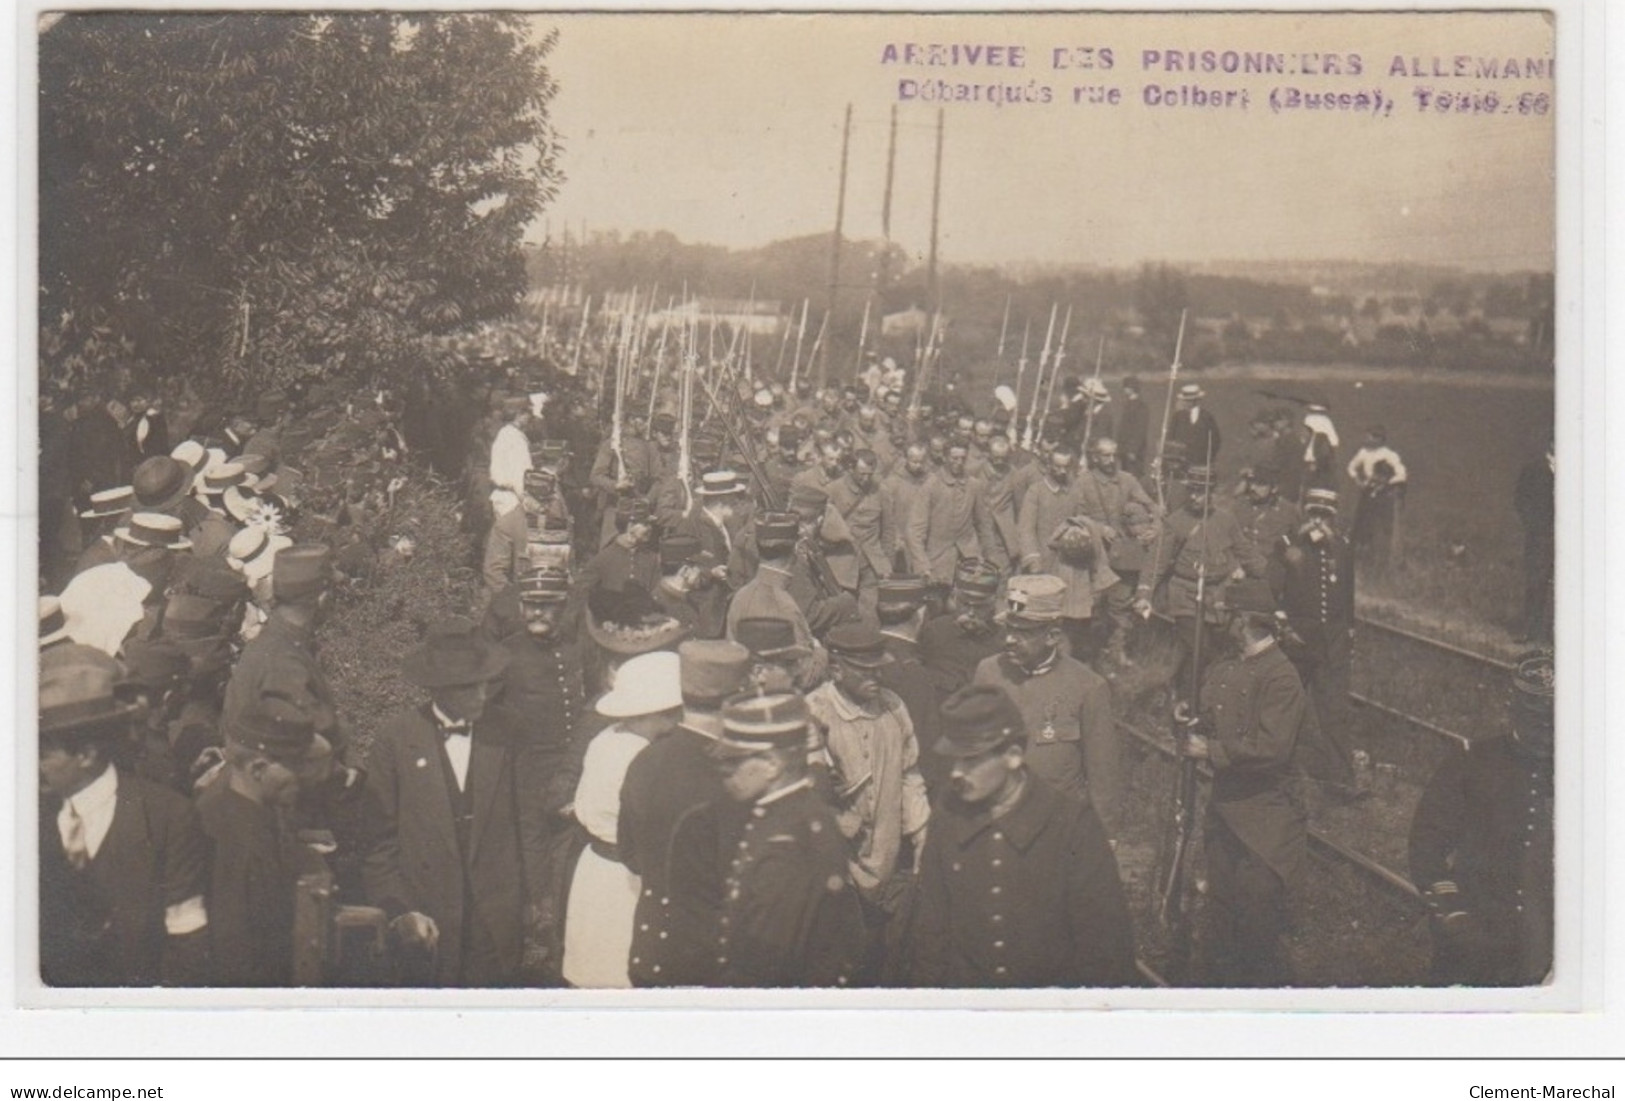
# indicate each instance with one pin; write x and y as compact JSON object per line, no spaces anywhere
{"x":105,"y":503}
{"x":155,"y":664}
{"x":1318,"y":499}
{"x":153,"y":529}
{"x":978,"y":719}
{"x":304,"y":569}
{"x":976,"y":580}
{"x":189,"y":616}
{"x":455,"y":653}
{"x":755,"y":723}
{"x":544,"y":585}
{"x":777,"y":527}
{"x":769,"y":637}
{"x":857,"y":644}
{"x":902,"y":592}
{"x":78,"y":688}
{"x":277,"y":722}
{"x":1250,"y":594}
{"x":711,"y":670}
{"x":160,"y":482}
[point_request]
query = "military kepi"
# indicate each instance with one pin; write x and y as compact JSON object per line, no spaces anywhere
{"x":978,"y":719}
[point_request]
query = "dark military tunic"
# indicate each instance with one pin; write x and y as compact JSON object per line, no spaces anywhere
{"x":1481,"y":843}
{"x":284,"y":656}
{"x":949,"y":650}
{"x":1318,"y":597}
{"x":1031,"y":898}
{"x":663,"y":784}
{"x":1191,"y":542}
{"x":251,"y":888}
{"x":1256,"y":715}
{"x":789,"y":916}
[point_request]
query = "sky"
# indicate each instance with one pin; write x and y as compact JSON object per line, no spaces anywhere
{"x":726,"y":129}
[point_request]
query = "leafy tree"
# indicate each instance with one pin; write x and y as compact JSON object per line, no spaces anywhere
{"x":254,"y":199}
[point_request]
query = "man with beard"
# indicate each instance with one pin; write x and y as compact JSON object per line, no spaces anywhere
{"x":830,"y":467}
{"x":1018,"y":886}
{"x":953,"y":644}
{"x":1058,"y":538}
{"x":1115,"y":498}
{"x":1003,"y":486}
{"x":1066,"y":706}
{"x":1481,"y":846}
{"x":1250,"y":723}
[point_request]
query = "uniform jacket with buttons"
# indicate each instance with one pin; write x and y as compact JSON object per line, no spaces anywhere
{"x":1258,"y":720}
{"x":542,"y":700}
{"x":663,"y":784}
{"x":789,"y":916}
{"x":1189,"y":542}
{"x":1484,"y":823}
{"x":1318,"y":590}
{"x":1031,"y":898}
{"x":284,"y":656}
{"x":1072,"y":741}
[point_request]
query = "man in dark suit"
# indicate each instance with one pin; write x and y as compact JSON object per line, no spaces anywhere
{"x":1132,"y":428}
{"x":123,"y":865}
{"x":1194,"y":427}
{"x":445,"y":857}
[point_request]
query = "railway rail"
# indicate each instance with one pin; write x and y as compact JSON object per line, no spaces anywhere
{"x":1435,"y":643}
{"x":1389,"y":882}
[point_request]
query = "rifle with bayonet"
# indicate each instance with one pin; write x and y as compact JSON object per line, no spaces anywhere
{"x":1038,"y":379}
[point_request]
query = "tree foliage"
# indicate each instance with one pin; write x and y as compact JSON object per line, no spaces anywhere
{"x":255,"y":199}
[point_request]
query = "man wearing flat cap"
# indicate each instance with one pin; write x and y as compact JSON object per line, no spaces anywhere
{"x":790,"y":917}
{"x":1481,"y":845}
{"x":880,"y":797}
{"x":1072,"y":741}
{"x":273,"y":757}
{"x":1018,"y":886}
{"x":1253,"y":724}
{"x":123,"y":862}
{"x":445,"y":858}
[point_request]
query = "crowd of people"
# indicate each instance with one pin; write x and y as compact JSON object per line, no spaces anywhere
{"x":780,"y":687}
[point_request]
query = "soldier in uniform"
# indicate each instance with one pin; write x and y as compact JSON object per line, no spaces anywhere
{"x":1202,"y":541}
{"x":901,"y":611}
{"x":855,"y":497}
{"x":767,"y":595}
{"x":1003,"y":486}
{"x":898,"y":495}
{"x":1251,"y":718}
{"x":123,"y":862}
{"x":1268,"y":519}
{"x":1318,"y":598}
{"x":1115,"y":498}
{"x":445,"y":856}
{"x":953,"y":644}
{"x":1481,"y":846}
{"x":1059,"y":538}
{"x":668,"y":831}
{"x":789,"y":915}
{"x":1018,"y":886}
{"x":948,"y":521}
{"x":1066,"y":707}
{"x":631,"y":557}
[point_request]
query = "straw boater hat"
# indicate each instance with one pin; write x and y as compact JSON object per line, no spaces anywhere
{"x":721,"y":483}
{"x":646,"y":685}
{"x":191,"y":454}
{"x":153,"y":529}
{"x":105,"y":503}
{"x":240,"y":502}
{"x":1191,"y":392}
{"x":252,"y":552}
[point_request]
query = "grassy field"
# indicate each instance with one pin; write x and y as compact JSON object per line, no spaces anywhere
{"x":1463,"y":441}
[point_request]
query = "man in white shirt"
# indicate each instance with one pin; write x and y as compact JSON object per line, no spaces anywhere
{"x":123,"y":863}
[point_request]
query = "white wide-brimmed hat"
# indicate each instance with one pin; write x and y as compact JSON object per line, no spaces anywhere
{"x":646,"y":685}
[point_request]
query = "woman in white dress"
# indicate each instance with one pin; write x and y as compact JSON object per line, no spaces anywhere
{"x":645,"y":702}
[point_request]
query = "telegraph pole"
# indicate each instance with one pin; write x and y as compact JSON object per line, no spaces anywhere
{"x":835,"y":245}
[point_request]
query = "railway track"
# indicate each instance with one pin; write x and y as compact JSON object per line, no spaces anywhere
{"x":1387,"y":881}
{"x":1434,"y":643}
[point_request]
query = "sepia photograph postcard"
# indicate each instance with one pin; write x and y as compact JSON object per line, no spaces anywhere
{"x":892,"y":510}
